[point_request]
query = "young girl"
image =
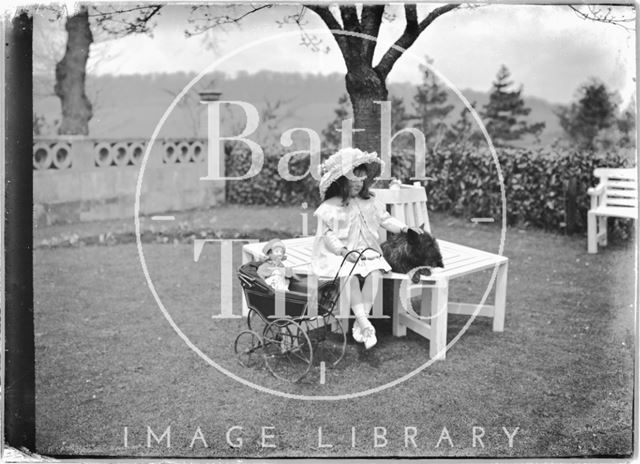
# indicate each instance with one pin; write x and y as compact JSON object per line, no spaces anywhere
{"x":348,"y":219}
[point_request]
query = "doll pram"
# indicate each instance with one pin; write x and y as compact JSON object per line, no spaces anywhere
{"x":290,"y":345}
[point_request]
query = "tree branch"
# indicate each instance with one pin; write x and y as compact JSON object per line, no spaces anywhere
{"x":349,"y":16}
{"x":326,"y":15}
{"x":237,"y":19}
{"x":435,"y":14}
{"x":333,"y":24}
{"x":209,"y":21}
{"x":411,"y":16}
{"x":371,"y":20}
{"x":311,"y":41}
{"x":410,"y":35}
{"x":356,"y":43}
{"x":138,"y":25}
{"x":129,"y":10}
{"x":596,"y":14}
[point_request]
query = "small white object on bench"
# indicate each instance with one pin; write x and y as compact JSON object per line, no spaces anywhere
{"x":616,"y":195}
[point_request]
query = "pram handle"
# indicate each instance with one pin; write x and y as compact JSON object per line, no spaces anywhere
{"x":247,"y":280}
{"x":344,"y":259}
{"x":360,"y":253}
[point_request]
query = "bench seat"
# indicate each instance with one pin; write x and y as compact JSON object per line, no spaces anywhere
{"x":408,"y":203}
{"x":615,"y":211}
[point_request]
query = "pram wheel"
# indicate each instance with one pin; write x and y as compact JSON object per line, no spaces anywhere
{"x":248,"y":348}
{"x":327,"y":337}
{"x":287,"y":350}
{"x":256,"y":321}
{"x":328,"y":294}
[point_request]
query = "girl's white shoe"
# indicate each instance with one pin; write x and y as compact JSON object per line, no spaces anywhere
{"x":356,"y":331}
{"x":369,"y":337}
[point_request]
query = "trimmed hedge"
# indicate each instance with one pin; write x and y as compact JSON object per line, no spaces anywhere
{"x":463,"y":184}
{"x":535,"y":183}
{"x":268,"y":187}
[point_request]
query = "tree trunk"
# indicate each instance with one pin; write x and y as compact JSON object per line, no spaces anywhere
{"x":365,"y":86}
{"x":71,"y":75}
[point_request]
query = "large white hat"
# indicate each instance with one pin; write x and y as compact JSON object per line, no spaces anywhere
{"x":342,"y":163}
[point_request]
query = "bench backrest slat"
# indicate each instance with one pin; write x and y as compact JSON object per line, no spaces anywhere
{"x":619,"y":192}
{"x":616,"y":173}
{"x":621,"y":186}
{"x":407,"y":203}
{"x":420,"y":219}
{"x":621,"y":202}
{"x":410,"y":213}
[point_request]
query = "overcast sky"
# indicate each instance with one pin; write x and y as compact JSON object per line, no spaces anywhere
{"x":548,"y":48}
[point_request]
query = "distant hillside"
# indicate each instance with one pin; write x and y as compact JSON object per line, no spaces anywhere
{"x":131,"y":106}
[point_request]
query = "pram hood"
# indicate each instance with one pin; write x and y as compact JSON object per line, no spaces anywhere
{"x":261,"y":297}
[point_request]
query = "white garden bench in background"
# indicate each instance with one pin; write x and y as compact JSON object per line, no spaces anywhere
{"x":616,"y":195}
{"x":409,"y":204}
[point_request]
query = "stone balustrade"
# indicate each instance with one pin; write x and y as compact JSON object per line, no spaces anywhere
{"x":81,"y":178}
{"x":63,"y":152}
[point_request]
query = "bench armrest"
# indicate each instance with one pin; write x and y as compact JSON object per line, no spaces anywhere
{"x":597,"y":194}
{"x":597,"y":190}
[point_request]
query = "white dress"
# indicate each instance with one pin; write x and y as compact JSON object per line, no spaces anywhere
{"x":275,"y":275}
{"x":354,"y":226}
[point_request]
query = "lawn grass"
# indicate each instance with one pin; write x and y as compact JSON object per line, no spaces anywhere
{"x":106,"y":358}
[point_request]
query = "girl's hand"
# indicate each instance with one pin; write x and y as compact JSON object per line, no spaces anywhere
{"x":351,"y":257}
{"x":417,"y":230}
{"x":370,"y":254}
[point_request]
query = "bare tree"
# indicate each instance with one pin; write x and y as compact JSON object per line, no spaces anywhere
{"x":49,"y":43}
{"x":71,"y":76}
{"x":355,"y":30}
{"x":366,"y":81}
{"x":71,"y":70}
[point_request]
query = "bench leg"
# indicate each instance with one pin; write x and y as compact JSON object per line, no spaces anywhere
{"x":439,"y":317}
{"x":500,"y":298}
{"x":397,"y":328}
{"x":602,"y":230}
{"x":592,"y":233}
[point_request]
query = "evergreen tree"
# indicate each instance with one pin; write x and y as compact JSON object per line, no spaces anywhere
{"x":594,"y":113}
{"x":430,"y":105}
{"x":504,"y":115}
{"x":399,"y":114}
{"x":464,"y":134}
{"x":627,"y":126}
{"x":331,"y":134}
{"x":399,"y":120}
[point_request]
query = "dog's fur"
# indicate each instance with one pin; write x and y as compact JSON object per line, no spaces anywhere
{"x":408,"y":251}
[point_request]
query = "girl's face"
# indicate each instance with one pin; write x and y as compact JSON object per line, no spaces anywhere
{"x":355,"y":185}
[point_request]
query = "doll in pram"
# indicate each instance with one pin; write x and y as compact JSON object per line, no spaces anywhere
{"x":290,"y":343}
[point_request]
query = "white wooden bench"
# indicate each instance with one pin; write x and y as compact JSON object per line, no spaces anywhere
{"x":409,"y":204}
{"x":616,"y":195}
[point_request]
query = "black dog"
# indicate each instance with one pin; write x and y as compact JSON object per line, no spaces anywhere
{"x":407,"y":251}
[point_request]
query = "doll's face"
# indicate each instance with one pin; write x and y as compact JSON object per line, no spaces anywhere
{"x":276,"y":255}
{"x":355,"y":185}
